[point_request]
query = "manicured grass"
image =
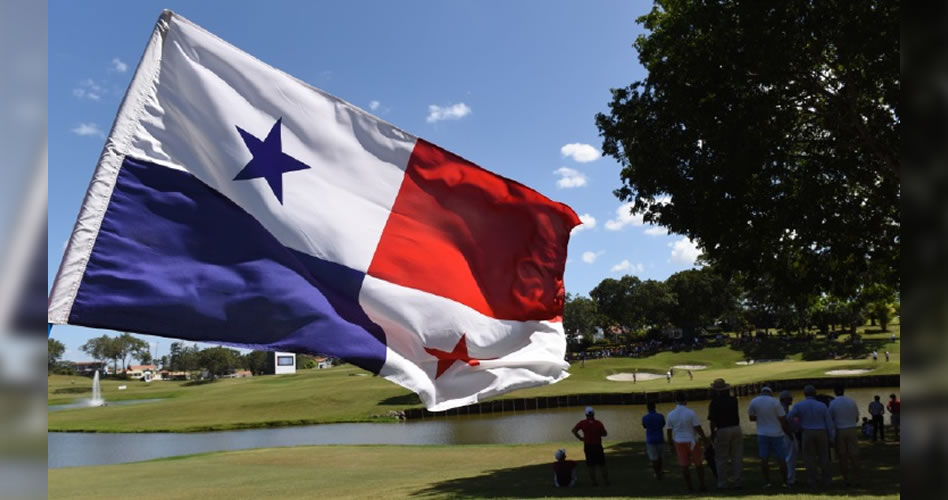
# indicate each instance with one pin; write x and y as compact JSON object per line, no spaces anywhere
{"x":349,"y":394}
{"x":473,"y":471}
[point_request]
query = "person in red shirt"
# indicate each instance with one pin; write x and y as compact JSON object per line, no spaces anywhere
{"x":593,"y":431}
{"x":895,"y":410}
{"x":564,"y":471}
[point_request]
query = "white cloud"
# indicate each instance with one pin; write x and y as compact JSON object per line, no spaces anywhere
{"x":119,"y":66}
{"x":624,"y":218}
{"x":590,"y":257}
{"x":570,"y":178}
{"x":583,"y":153}
{"x":588,"y":222}
{"x":625,"y":265}
{"x":656,"y":231}
{"x":684,"y":251}
{"x":374,"y":105}
{"x":452,"y":112}
{"x":88,"y":129}
{"x":88,"y":89}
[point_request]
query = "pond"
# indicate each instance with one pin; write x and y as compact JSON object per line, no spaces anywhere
{"x":70,"y":449}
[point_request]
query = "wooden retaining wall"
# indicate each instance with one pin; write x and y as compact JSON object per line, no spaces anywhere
{"x":640,"y":398}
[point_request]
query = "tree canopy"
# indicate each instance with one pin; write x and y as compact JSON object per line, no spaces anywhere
{"x":770,"y":134}
{"x":54,"y":352}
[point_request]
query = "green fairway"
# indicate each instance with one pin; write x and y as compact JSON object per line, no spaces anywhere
{"x":473,"y":471}
{"x":349,"y":394}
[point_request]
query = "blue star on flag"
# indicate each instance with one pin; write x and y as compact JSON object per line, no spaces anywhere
{"x":269,"y":161}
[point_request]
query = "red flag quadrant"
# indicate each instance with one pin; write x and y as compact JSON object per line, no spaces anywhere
{"x":466,"y":234}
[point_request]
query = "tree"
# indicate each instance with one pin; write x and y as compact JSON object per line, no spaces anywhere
{"x":104,"y":348}
{"x":183,"y":358}
{"x":218,"y":360}
{"x":613,"y":299}
{"x":580,"y":316}
{"x":652,"y":304}
{"x":54,"y":352}
{"x":769,"y":133}
{"x":255,"y":361}
{"x":701,"y":297}
{"x":127,"y":346}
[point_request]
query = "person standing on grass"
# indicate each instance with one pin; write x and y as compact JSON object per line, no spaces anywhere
{"x":845,"y":415}
{"x":818,"y":432}
{"x":564,"y":471}
{"x":771,"y":429}
{"x":895,"y":410}
{"x":654,"y":424}
{"x":792,"y":440}
{"x":725,"y":425}
{"x":668,"y":376}
{"x":593,"y":432}
{"x":683,"y":432}
{"x":876,"y":410}
{"x":887,"y":356}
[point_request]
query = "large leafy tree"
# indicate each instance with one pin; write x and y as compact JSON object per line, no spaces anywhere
{"x":54,"y":352}
{"x":580,"y":316}
{"x":769,"y":133}
{"x":613,"y":298}
{"x":701,"y":298}
{"x":219,"y":360}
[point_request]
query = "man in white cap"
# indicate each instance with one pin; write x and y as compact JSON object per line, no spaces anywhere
{"x":772,"y":426}
{"x":684,"y":430}
{"x":564,"y":471}
{"x":592,"y":434}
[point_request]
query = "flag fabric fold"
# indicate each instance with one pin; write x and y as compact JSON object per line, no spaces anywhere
{"x":235,"y":204}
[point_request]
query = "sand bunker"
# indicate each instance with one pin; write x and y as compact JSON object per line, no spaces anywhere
{"x":639,"y":377}
{"x":690,"y":367}
{"x":755,"y":361}
{"x":856,"y":371}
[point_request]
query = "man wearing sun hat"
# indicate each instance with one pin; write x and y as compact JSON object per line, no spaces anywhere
{"x":725,"y":423}
{"x":771,"y":420}
{"x":592,"y":434}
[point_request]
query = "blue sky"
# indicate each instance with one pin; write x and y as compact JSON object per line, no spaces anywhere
{"x":512,"y":86}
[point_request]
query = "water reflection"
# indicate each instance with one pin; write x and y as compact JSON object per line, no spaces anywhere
{"x":66,"y":449}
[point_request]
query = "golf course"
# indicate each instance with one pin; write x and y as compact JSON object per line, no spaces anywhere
{"x":476,"y":471}
{"x":349,"y":394}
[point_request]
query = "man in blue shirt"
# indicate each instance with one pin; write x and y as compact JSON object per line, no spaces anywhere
{"x":654,"y":423}
{"x":818,"y":432}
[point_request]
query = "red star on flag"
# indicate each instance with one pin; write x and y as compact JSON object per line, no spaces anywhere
{"x":446,"y":359}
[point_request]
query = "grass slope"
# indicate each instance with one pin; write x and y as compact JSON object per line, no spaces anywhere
{"x":349,"y":394}
{"x":476,"y":471}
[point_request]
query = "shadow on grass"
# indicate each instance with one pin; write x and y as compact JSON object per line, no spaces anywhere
{"x":631,"y":476}
{"x":198,"y":382}
{"x":811,"y":350}
{"x":408,"y":399}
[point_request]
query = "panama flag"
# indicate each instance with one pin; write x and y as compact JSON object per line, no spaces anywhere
{"x":235,"y":204}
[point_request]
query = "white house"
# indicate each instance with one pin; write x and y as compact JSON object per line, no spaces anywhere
{"x":281,"y":363}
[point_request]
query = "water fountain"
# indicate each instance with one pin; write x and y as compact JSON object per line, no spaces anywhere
{"x":97,"y":399}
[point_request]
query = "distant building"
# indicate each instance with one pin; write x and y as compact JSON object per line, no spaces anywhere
{"x":89,"y":368}
{"x":238,"y":374}
{"x":281,"y":363}
{"x":145,"y":373}
{"x":323,"y":362}
{"x":170,"y":375}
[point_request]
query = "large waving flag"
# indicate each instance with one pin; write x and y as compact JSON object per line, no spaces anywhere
{"x":236,"y":204}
